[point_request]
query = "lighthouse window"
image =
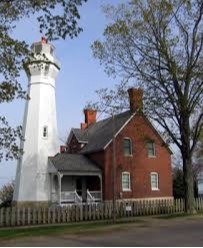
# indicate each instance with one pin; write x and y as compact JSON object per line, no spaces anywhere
{"x":45,"y":132}
{"x":51,"y":50}
{"x":38,"y":49}
{"x":46,"y":69}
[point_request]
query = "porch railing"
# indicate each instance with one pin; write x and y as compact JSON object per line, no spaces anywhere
{"x":78,"y":199}
{"x":73,"y":197}
{"x":96,"y":195}
{"x":90,"y":198}
{"x":70,"y":196}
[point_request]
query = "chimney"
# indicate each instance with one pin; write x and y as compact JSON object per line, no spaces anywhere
{"x":90,"y":117}
{"x":83,"y":126}
{"x":43,"y":40}
{"x":135,"y":98}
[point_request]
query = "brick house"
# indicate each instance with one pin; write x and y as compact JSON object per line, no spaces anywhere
{"x":142,"y":158}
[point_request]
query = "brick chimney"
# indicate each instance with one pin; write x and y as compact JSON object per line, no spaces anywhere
{"x":83,"y":126}
{"x":43,"y":39}
{"x":90,"y":117}
{"x":135,"y":98}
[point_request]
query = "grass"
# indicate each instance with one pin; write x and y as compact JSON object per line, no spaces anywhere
{"x":172,"y":216}
{"x":72,"y":228}
{"x":46,"y":230}
{"x":84,"y":227}
{"x":177,"y":215}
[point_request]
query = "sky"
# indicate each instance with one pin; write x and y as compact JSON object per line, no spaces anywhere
{"x":79,"y":77}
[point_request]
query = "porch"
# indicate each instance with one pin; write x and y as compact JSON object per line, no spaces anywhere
{"x":74,"y":179}
{"x":67,"y":189}
{"x":68,"y":197}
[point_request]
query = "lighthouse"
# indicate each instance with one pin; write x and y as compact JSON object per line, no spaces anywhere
{"x":32,"y":183}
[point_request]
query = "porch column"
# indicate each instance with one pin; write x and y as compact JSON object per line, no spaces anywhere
{"x":59,"y":188}
{"x":84,"y":189}
{"x":100,"y":177}
{"x":51,"y":187}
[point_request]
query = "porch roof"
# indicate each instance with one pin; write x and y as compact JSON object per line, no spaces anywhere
{"x":67,"y":162}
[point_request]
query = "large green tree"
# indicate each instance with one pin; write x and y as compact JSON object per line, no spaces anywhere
{"x":158,"y":45}
{"x":56,"y":19}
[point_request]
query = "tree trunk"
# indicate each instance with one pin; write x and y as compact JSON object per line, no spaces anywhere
{"x":189,"y":186}
{"x":188,"y":176}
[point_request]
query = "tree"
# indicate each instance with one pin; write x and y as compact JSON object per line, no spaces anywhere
{"x":198,"y":162}
{"x":158,"y":45}
{"x":6,"y":194}
{"x":57,"y":19}
{"x":178,"y":183}
{"x":198,"y":154}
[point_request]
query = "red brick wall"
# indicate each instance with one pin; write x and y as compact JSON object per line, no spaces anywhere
{"x":139,"y":164}
{"x":99,"y":159}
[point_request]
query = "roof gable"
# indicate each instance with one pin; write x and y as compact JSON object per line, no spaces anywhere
{"x":100,"y":133}
{"x":157,"y":133}
{"x":79,"y":134}
{"x":98,"y":136}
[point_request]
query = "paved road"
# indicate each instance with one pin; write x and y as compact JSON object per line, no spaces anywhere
{"x":154,"y":232}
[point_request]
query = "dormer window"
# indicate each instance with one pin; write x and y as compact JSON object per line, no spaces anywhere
{"x":45,"y":132}
{"x":127,"y":146}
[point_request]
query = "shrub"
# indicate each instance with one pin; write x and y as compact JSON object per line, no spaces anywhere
{"x":6,"y":194}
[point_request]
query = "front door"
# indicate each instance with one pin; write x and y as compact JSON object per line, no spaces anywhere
{"x":79,"y":186}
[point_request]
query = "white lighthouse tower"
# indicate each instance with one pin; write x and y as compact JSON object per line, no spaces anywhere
{"x":32,"y":184}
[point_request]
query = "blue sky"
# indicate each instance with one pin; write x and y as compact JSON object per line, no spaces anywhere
{"x":78,"y":79}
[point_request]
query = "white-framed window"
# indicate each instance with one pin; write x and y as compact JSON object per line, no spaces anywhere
{"x":45,"y":132}
{"x":151,"y":149}
{"x":154,"y":176}
{"x":126,"y":181}
{"x":127,"y":146}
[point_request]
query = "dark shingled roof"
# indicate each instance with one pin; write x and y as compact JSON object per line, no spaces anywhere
{"x":100,"y":133}
{"x":80,"y":136}
{"x":73,"y":162}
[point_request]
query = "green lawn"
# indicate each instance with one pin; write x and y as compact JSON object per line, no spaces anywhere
{"x":178,"y":215}
{"x":86,"y":227}
{"x":71,"y":228}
